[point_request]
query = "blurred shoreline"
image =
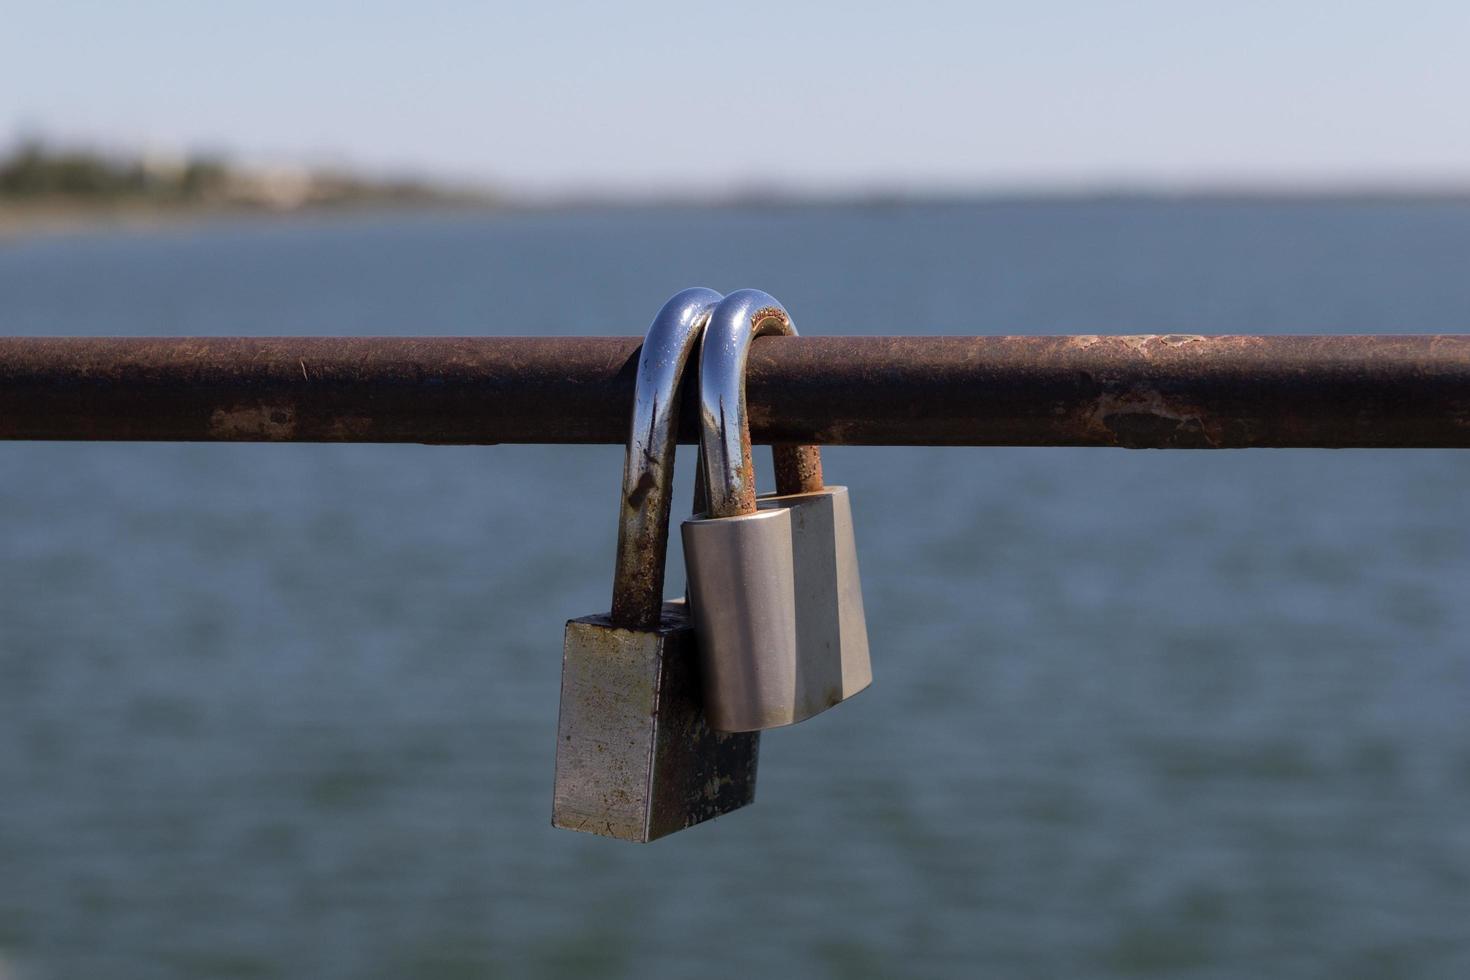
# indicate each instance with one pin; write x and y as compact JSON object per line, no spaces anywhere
{"x":48,"y":191}
{"x":49,"y":218}
{"x":59,"y":218}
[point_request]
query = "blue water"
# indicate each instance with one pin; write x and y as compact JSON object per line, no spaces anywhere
{"x":289,"y":710}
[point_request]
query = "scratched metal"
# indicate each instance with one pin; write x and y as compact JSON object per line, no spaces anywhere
{"x":634,"y":757}
{"x":1169,"y":391}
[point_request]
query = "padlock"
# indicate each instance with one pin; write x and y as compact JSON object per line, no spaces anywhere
{"x":773,"y":581}
{"x":635,"y":758}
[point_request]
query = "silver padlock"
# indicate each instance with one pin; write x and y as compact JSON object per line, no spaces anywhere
{"x":635,"y":758}
{"x":773,"y":581}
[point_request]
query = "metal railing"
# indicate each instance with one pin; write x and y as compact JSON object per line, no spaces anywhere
{"x":1165,"y":392}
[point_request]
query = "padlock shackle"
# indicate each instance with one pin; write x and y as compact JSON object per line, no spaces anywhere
{"x":736,"y":321}
{"x":648,"y":468}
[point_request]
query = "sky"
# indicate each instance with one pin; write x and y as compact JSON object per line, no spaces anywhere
{"x":664,"y":97}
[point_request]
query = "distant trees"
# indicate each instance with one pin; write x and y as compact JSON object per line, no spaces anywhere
{"x":35,"y":172}
{"x":31,"y":171}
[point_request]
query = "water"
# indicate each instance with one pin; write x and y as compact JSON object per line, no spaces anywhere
{"x":285,"y":711}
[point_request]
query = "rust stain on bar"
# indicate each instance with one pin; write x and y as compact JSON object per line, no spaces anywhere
{"x":1168,"y":391}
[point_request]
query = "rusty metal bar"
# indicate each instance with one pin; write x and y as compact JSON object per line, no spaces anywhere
{"x":1171,"y":392}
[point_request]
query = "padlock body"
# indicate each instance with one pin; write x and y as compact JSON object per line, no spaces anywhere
{"x":778,"y":603}
{"x":635,"y":758}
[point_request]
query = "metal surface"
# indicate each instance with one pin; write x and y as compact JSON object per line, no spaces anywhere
{"x":779,"y":609}
{"x":724,"y":421}
{"x":648,"y":468}
{"x":774,"y":592}
{"x":635,"y":758}
{"x":1167,"y":392}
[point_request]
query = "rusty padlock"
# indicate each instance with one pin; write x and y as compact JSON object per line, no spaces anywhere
{"x":773,"y":581}
{"x":635,"y":758}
